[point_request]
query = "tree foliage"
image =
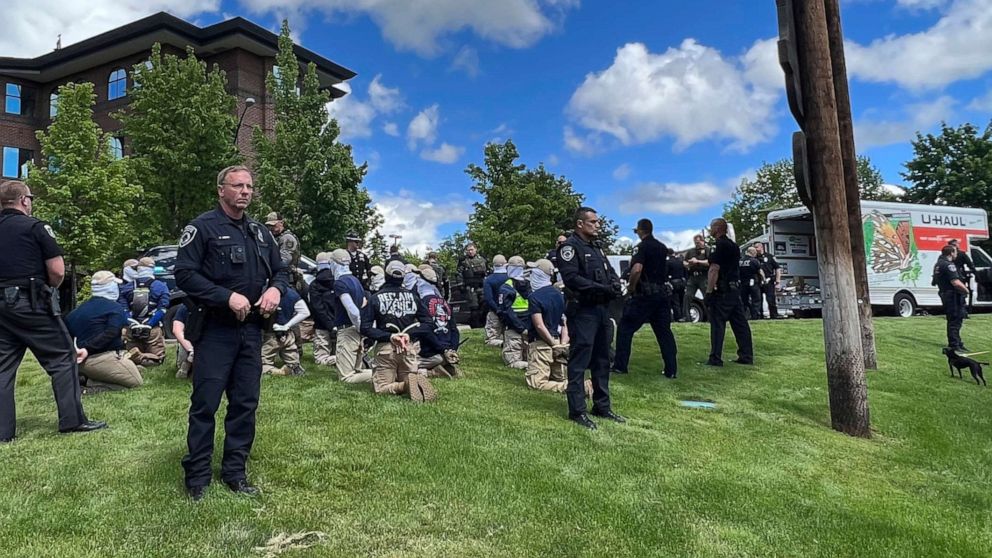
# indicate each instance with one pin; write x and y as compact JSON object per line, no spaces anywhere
{"x":774,"y":187}
{"x":84,"y":190}
{"x":952,"y":168}
{"x":180,"y":125}
{"x":523,"y":210}
{"x":304,"y":172}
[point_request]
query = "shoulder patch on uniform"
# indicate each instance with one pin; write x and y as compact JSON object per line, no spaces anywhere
{"x":48,"y":229}
{"x":952,"y":267}
{"x":189,"y":233}
{"x":567,"y":253}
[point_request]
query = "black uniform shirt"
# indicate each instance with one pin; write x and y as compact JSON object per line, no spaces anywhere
{"x":727,"y":255}
{"x":27,"y":243}
{"x":676,"y":268}
{"x":945,"y":271}
{"x":585,"y":270}
{"x":750,"y":266}
{"x":700,"y":254}
{"x":964,"y":264}
{"x":218,"y":256}
{"x":653,"y":255}
{"x":768,"y":265}
{"x":361,"y":267}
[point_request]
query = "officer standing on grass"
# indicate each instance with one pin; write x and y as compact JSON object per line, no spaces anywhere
{"x":723,"y":298}
{"x":229,"y":266}
{"x":953,"y":294}
{"x":966,"y":269}
{"x":31,"y":270}
{"x":772,"y":272}
{"x":697,"y":260}
{"x":590,"y":284}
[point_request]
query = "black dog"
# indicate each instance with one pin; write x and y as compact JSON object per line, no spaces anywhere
{"x":957,"y":361}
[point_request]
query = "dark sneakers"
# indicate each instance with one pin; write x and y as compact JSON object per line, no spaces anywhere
{"x":196,"y":493}
{"x":242,"y":487}
{"x":745,"y":361}
{"x":88,"y":426}
{"x":713,"y":362}
{"x":610,"y":415}
{"x":583,"y":420}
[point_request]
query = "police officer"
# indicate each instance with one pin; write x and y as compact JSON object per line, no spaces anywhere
{"x":651,"y":301}
{"x":953,"y":294}
{"x":289,"y":246}
{"x":676,"y":276}
{"x":772,"y":274}
{"x":361,"y":267}
{"x":441,"y":273}
{"x":696,"y":264}
{"x":751,"y":280}
{"x":966,"y":269}
{"x":31,"y":269}
{"x":723,"y":298}
{"x":472,"y":268}
{"x":590,"y":284}
{"x":230,"y":267}
{"x":552,"y":257}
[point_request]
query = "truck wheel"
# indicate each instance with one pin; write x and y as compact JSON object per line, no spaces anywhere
{"x":167,"y":321}
{"x":696,"y":312}
{"x":904,"y":305}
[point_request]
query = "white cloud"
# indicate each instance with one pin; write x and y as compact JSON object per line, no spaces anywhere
{"x":423,"y":127}
{"x":691,"y":93}
{"x":921,"y":4}
{"x":416,"y":219}
{"x":622,"y":172}
{"x":552,"y":160}
{"x":894,"y":189}
{"x":391,"y":129}
{"x":467,"y":60}
{"x":672,"y":198}
{"x":422,"y":26}
{"x":919,"y":117}
{"x":356,"y":117}
{"x":983,"y":103}
{"x":33,"y":25}
{"x":761,"y":65}
{"x":677,"y":240}
{"x":445,"y":153}
{"x":956,"y":47}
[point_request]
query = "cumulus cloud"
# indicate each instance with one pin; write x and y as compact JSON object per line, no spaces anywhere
{"x":445,"y":153}
{"x":391,"y":129}
{"x":672,"y":198}
{"x":357,"y":117}
{"x":423,"y":127}
{"x":677,"y":240}
{"x":416,"y":219}
{"x":691,"y":93}
{"x":622,"y":172}
{"x":33,"y":25}
{"x":983,"y":103}
{"x":870,"y":132}
{"x":921,"y":4}
{"x":467,"y":60}
{"x":552,"y":160}
{"x":894,"y":189}
{"x":422,"y":26}
{"x":954,"y":48}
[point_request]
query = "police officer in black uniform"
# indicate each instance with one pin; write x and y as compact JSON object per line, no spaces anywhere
{"x":360,"y":265}
{"x":677,"y":277}
{"x":953,"y":294}
{"x":31,"y":270}
{"x":723,"y":298}
{"x":772,"y":272}
{"x":229,"y":267}
{"x":590,"y":284}
{"x":966,"y":269}
{"x":650,"y":301}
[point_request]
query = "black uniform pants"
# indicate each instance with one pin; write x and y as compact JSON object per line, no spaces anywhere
{"x":723,"y":307}
{"x":657,"y":311}
{"x":751,"y":297}
{"x":769,"y":290}
{"x":22,"y":328}
{"x":589,"y":334}
{"x":954,"y":311}
{"x":695,"y":282}
{"x":678,"y":301}
{"x":228,"y":360}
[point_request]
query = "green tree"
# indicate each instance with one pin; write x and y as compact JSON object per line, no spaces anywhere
{"x":304,"y":172}
{"x":523,"y":210}
{"x":84,"y":190}
{"x":451,"y":248}
{"x":952,"y":168}
{"x":180,"y":124}
{"x":774,"y":187}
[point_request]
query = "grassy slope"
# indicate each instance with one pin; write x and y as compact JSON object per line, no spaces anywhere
{"x":493,"y":469}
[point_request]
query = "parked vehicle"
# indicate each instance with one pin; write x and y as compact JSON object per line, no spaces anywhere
{"x":902,"y":244}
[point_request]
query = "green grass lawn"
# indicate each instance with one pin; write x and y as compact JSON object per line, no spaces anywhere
{"x":494,"y":469}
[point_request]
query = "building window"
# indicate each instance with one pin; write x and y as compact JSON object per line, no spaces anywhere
{"x":15,"y":162}
{"x":12,"y":99}
{"x":116,"y":148}
{"x":53,"y":105}
{"x":117,"y":84}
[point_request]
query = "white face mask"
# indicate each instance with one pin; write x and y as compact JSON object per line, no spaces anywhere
{"x":539,"y":279}
{"x":109,"y":291}
{"x":514,"y":272}
{"x":377,"y":282}
{"x":339,"y":269}
{"x":409,"y":281}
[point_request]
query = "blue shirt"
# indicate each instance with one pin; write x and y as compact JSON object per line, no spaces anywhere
{"x":490,"y":289}
{"x":550,"y":303}
{"x":287,"y":303}
{"x":346,"y":285}
{"x":96,"y":324}
{"x":182,"y":314}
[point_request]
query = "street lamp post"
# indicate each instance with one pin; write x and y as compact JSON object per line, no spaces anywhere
{"x":249,"y":102}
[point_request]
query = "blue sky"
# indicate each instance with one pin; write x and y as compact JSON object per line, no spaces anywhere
{"x":651,"y":108}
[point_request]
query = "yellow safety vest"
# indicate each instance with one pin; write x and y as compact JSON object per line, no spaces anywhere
{"x":519,"y":302}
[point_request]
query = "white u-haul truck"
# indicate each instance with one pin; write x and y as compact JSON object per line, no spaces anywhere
{"x":902,"y":244}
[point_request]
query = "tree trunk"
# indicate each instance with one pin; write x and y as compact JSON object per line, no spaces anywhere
{"x":851,"y":186}
{"x":848,"y":392}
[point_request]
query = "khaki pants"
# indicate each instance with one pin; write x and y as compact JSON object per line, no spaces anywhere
{"x":392,"y":368}
{"x":306,"y":330}
{"x":111,"y":367}
{"x":513,"y":350}
{"x":152,"y":350}
{"x":183,"y":364}
{"x":543,"y":371}
{"x":323,"y":350}
{"x":437,"y":367}
{"x":282,"y":346}
{"x":494,"y":329}
{"x":347,"y":360}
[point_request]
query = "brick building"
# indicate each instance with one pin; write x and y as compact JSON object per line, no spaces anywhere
{"x":245,"y":51}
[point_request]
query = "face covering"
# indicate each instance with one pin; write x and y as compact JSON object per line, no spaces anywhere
{"x":539,"y":279}
{"x":377,"y":282}
{"x":410,"y":281}
{"x":425,"y":289}
{"x":128,"y":274}
{"x":109,"y":291}
{"x":514,"y":272}
{"x":340,"y":269}
{"x":321,"y":266}
{"x":499,"y":269}
{"x":144,"y":273}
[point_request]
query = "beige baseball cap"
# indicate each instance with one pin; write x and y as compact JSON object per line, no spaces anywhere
{"x":499,"y":260}
{"x":544,"y":265}
{"x":323,"y":257}
{"x":146,"y":262}
{"x":341,"y":256}
{"x":103,"y":278}
{"x":272,"y":218}
{"x":131,"y":263}
{"x":377,"y":270}
{"x":516,"y":261}
{"x":429,"y":275}
{"x":396,"y":268}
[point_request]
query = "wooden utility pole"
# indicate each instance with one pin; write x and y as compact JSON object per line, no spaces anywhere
{"x":851,"y":186}
{"x":804,"y":50}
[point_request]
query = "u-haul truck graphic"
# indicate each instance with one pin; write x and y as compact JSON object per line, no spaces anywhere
{"x":902,"y":244}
